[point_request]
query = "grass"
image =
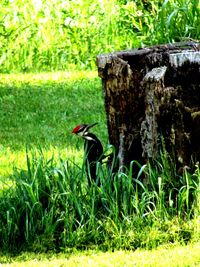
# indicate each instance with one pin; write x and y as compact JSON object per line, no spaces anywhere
{"x":44,"y":206}
{"x":164,"y":256}
{"x":50,"y":207}
{"x":49,"y":105}
{"x":42,"y":109}
{"x":45,"y":200}
{"x":56,"y":35}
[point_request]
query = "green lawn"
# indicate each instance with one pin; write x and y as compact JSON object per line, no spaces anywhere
{"x":165,"y":256}
{"x":42,"y":109}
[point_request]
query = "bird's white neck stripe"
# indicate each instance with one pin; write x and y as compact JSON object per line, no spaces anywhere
{"x":89,"y":138}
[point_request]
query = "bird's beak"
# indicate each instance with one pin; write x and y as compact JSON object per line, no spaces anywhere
{"x":91,"y":125}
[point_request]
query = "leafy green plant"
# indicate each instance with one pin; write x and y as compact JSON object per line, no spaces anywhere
{"x":179,"y":19}
{"x":57,"y":35}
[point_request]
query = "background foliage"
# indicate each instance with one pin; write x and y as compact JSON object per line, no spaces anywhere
{"x":40,"y":35}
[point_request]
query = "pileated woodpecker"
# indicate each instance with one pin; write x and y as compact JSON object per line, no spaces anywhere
{"x":93,"y":149}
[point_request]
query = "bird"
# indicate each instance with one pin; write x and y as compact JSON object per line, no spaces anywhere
{"x":93,"y":150}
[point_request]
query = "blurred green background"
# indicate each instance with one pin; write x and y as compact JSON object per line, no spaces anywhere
{"x":41,"y":35}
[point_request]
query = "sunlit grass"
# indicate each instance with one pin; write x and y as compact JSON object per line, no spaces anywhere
{"x":164,"y":256}
{"x":10,"y":159}
{"x":39,"y":78}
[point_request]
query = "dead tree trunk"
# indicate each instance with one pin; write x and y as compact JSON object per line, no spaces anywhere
{"x":152,"y":99}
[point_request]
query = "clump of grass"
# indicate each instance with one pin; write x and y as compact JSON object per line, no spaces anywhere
{"x":50,"y":206}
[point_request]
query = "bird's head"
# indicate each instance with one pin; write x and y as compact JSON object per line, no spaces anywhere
{"x":82,"y":129}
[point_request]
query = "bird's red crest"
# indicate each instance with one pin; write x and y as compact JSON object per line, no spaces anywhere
{"x":75,"y":130}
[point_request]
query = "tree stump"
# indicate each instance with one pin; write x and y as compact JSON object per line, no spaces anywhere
{"x":152,"y":100}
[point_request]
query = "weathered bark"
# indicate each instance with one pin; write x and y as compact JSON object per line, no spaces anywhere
{"x":152,"y":99}
{"x":153,"y":84}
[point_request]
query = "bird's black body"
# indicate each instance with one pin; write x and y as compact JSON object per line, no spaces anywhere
{"x":93,"y":150}
{"x":93,"y":153}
